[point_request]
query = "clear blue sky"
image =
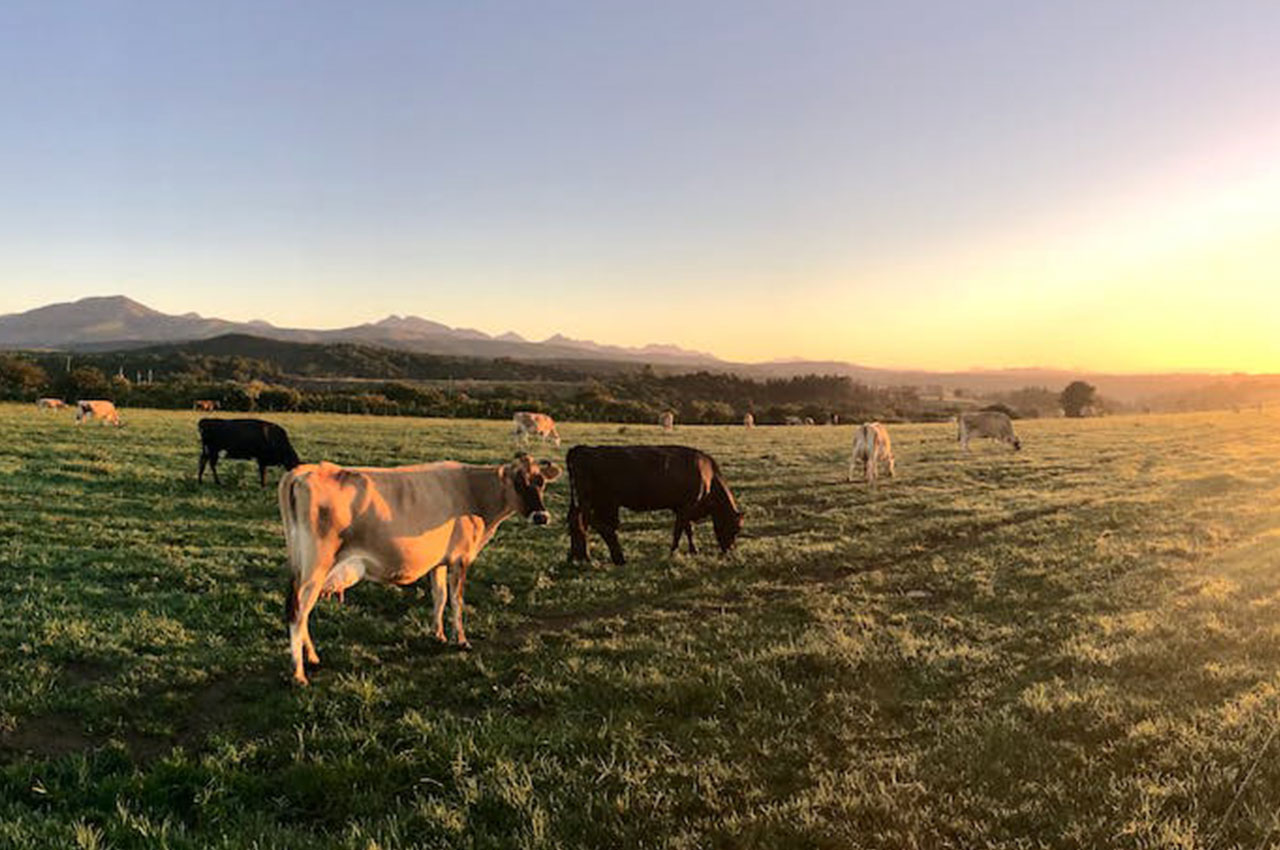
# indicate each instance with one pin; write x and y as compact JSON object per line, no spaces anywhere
{"x":895,"y":183}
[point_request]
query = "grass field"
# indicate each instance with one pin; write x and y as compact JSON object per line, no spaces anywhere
{"x":1073,"y":646}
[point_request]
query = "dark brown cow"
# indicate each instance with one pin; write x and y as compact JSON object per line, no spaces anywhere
{"x":603,"y":479}
{"x":244,"y":439}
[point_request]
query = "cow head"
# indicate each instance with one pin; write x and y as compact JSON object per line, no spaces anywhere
{"x":530,"y":478}
{"x":727,"y":525}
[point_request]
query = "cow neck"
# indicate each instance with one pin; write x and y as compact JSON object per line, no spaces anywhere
{"x":490,"y":494}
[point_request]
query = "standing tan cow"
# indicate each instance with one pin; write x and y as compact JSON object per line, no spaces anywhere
{"x":871,"y":446}
{"x":100,"y":409}
{"x":537,"y":424}
{"x":207,"y":405}
{"x":667,"y":420}
{"x":50,"y":404}
{"x":394,"y":526}
{"x":991,"y":424}
{"x":748,"y":421}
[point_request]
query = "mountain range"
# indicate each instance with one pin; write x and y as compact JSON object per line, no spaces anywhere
{"x":118,"y":323}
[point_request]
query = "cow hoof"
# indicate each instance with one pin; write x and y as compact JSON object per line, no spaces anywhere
{"x":464,"y":646}
{"x":300,"y":681}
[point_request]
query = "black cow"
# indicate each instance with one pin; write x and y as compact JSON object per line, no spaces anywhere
{"x":603,"y":479}
{"x":245,"y":439}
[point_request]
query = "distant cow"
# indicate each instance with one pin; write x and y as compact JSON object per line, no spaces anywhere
{"x":871,"y":446}
{"x":394,"y":526}
{"x":244,"y":439}
{"x":100,"y":409}
{"x":667,"y":421}
{"x":991,"y":424}
{"x":537,"y":424}
{"x":603,"y":479}
{"x":808,"y":420}
{"x":793,"y":420}
{"x":748,"y":421}
{"x":207,"y":405}
{"x":50,"y":404}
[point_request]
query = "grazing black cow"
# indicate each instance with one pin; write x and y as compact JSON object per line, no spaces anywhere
{"x":603,"y":479}
{"x":245,"y":439}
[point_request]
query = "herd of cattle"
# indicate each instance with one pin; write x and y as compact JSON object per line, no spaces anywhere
{"x":396,"y":525}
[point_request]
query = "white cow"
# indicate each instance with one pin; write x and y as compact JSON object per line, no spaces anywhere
{"x":537,"y":424}
{"x":748,"y":421}
{"x":991,"y":424}
{"x":667,"y":420}
{"x":100,"y":409}
{"x":871,"y":446}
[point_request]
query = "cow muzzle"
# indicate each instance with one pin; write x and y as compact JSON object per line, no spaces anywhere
{"x":540,"y":517}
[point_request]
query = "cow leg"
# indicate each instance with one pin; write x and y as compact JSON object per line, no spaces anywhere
{"x":262,"y":474}
{"x":439,"y":594}
{"x":578,"y":534}
{"x":204,"y":458}
{"x":684,"y":525}
{"x":299,"y":631}
{"x":457,"y":579}
{"x":605,"y":522}
{"x":306,"y":595}
{"x":213,"y":467}
{"x":892,"y":473}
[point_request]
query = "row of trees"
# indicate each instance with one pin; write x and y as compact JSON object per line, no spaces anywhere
{"x":242,"y":384}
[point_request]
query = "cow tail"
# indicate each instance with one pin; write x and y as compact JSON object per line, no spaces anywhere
{"x":292,"y":517}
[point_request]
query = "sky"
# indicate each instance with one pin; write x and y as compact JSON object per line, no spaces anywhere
{"x":939,"y":185}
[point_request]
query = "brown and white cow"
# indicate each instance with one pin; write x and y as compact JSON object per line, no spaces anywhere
{"x":394,"y":526}
{"x":748,"y":421}
{"x":871,"y":446}
{"x":537,"y":424}
{"x":205,"y":404}
{"x":50,"y":404}
{"x":991,"y":424}
{"x":667,"y":420}
{"x":100,"y":409}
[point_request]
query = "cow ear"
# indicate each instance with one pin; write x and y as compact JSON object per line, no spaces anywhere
{"x":549,"y":470}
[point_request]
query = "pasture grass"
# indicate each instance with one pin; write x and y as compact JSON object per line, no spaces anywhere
{"x":1073,"y":646}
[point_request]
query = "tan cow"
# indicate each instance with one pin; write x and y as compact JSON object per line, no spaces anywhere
{"x":537,"y":424}
{"x":991,"y":424}
{"x":748,"y":421}
{"x":100,"y":409}
{"x":667,"y":420}
{"x":394,"y":526}
{"x":50,"y":404}
{"x":871,"y":446}
{"x":207,"y":405}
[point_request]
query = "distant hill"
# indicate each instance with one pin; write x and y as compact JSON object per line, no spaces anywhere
{"x":119,"y":323}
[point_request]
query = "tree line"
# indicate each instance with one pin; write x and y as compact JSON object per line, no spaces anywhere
{"x":251,"y":374}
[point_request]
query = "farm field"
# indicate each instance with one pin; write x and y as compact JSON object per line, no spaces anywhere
{"x":1074,"y":646}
